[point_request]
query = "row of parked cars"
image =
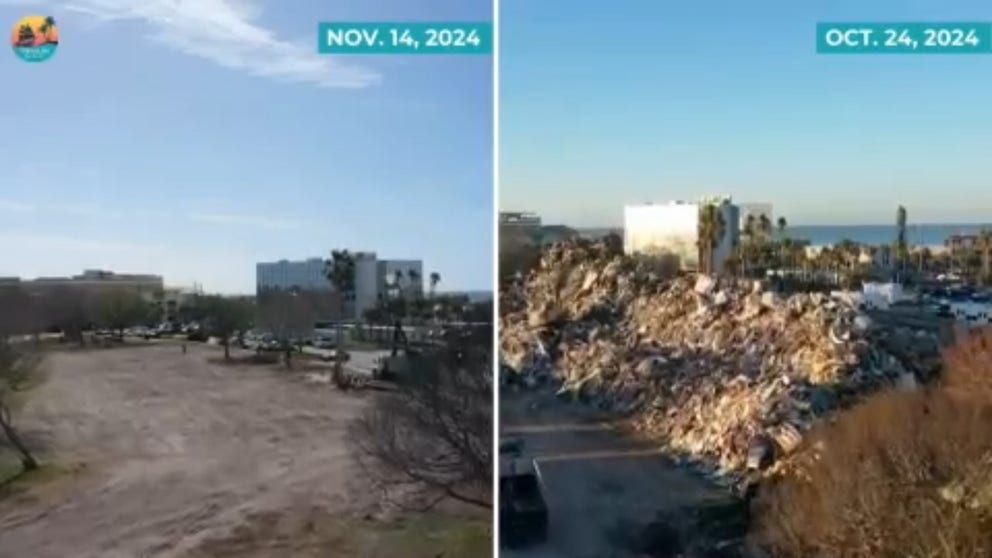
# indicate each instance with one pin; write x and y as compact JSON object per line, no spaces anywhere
{"x":191,"y":331}
{"x":263,"y":341}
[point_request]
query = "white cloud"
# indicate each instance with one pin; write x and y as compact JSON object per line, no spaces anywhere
{"x":247,"y":220}
{"x":226,"y":33}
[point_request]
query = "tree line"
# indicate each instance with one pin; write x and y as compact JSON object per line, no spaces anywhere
{"x":764,"y":246}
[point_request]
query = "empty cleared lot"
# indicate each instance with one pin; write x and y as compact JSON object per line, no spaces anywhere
{"x":178,"y":454}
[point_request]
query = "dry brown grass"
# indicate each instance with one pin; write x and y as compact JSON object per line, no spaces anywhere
{"x":901,"y":475}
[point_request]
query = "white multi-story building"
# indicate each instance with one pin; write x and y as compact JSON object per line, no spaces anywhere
{"x":308,"y":275}
{"x":366,"y":283}
{"x":373,"y":279}
{"x":672,"y":230}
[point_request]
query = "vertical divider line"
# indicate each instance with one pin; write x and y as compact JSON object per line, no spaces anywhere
{"x":495,"y":328}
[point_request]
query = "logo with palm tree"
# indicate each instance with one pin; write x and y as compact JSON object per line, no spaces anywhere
{"x":35,"y":38}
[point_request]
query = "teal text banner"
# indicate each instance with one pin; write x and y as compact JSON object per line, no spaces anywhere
{"x":405,"y":38}
{"x":904,"y":38}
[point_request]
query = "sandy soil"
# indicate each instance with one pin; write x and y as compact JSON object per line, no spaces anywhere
{"x":179,"y":453}
{"x":603,"y":487}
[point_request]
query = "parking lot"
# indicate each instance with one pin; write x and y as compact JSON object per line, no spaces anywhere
{"x":602,"y":487}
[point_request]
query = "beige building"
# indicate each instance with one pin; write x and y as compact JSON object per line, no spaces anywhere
{"x":94,"y":281}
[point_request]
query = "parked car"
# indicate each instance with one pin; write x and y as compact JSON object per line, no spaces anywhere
{"x":324,"y":343}
{"x":196,"y":335}
{"x":332,"y":355}
{"x":523,"y":511}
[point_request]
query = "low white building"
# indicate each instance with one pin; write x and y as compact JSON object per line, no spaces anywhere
{"x":672,"y":230}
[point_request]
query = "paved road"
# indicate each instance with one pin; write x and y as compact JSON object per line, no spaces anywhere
{"x":603,"y":487}
{"x":178,"y":451}
{"x":361,"y":361}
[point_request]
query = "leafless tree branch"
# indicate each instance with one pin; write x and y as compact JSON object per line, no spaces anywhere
{"x":431,"y":438}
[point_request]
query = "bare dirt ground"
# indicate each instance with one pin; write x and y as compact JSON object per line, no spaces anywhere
{"x":603,"y":487}
{"x":175,"y":455}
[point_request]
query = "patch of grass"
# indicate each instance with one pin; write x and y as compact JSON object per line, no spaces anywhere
{"x":10,"y":468}
{"x":273,"y":534}
{"x":16,"y":483}
{"x":433,"y":535}
{"x":24,"y":381}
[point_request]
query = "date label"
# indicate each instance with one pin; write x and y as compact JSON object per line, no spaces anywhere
{"x":904,"y":38}
{"x":405,"y":38}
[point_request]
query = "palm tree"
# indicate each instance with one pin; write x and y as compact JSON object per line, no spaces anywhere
{"x":748,"y":249}
{"x":765,"y":227}
{"x":985,"y":247}
{"x":435,"y":279}
{"x":712,"y":227}
{"x":46,"y":27}
{"x":901,"y":247}
{"x":782,"y":224}
{"x":340,"y":271}
{"x":413,"y":276}
{"x":797,"y":255}
{"x":749,"y":225}
{"x":786,"y":251}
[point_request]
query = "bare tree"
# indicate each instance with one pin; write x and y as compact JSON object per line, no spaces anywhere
{"x":70,"y":310}
{"x":431,"y":438}
{"x":119,"y":309}
{"x":15,"y":366}
{"x":287,"y":315}
{"x":224,"y":317}
{"x":17,"y":361}
{"x":18,"y":312}
{"x":340,"y":271}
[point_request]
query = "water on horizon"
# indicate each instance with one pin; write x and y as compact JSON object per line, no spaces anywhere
{"x":930,"y":234}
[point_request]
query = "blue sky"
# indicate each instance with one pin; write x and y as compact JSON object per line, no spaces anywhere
{"x":193,"y":139}
{"x":603,"y":104}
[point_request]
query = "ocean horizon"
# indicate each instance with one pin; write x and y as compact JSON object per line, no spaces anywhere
{"x":927,"y":234}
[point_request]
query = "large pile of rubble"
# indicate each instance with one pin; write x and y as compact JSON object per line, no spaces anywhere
{"x":730,"y":374}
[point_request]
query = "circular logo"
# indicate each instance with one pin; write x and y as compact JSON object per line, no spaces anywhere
{"x":35,"y":38}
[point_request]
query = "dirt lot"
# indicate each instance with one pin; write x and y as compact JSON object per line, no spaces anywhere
{"x":173,"y":455}
{"x":603,"y":487}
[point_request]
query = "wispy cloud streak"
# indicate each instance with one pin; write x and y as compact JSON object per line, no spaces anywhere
{"x":226,"y":32}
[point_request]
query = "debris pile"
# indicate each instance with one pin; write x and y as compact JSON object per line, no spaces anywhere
{"x":725,"y":372}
